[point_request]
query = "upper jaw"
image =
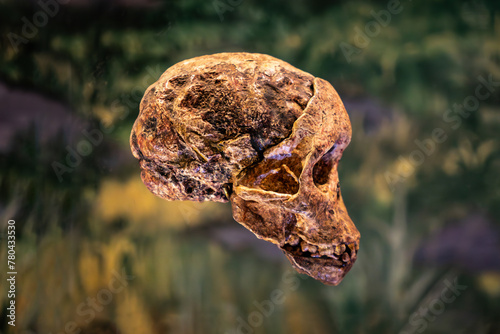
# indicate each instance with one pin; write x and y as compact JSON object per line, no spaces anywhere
{"x":328,"y":263}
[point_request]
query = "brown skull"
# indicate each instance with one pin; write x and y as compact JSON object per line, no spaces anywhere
{"x":254,"y":130}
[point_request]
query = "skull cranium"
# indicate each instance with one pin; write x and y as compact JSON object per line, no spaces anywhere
{"x":254,"y":130}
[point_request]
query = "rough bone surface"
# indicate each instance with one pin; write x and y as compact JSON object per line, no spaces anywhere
{"x":256,"y":131}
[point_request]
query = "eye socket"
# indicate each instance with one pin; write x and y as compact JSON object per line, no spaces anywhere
{"x":322,"y":169}
{"x":281,"y":180}
{"x":280,"y":176}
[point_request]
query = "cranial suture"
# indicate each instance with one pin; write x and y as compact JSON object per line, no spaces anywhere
{"x":254,"y":130}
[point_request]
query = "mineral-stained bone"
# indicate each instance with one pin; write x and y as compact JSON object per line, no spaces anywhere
{"x":256,"y":131}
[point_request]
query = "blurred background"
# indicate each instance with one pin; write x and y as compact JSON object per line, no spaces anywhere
{"x":97,"y":253}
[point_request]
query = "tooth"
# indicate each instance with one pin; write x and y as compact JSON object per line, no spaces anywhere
{"x":326,"y":251}
{"x":303,"y":246}
{"x":293,"y":240}
{"x":339,"y":249}
{"x":345,"y":257}
{"x":308,"y":247}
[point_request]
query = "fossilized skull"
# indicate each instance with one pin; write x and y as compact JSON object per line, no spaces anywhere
{"x":254,"y":130}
